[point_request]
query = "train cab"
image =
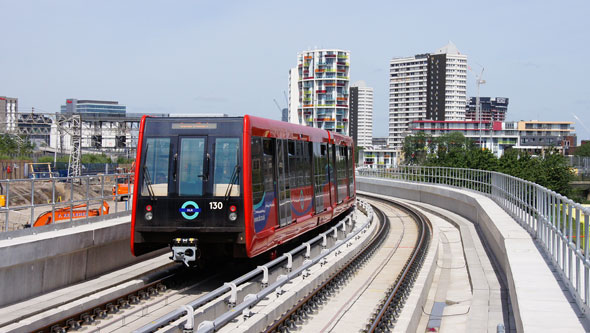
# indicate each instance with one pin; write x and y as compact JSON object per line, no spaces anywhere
{"x":188,"y":184}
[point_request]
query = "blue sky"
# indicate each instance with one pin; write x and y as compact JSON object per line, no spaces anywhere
{"x":233,"y":56}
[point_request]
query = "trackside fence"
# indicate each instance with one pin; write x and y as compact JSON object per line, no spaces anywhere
{"x":62,"y":199}
{"x":557,"y":223}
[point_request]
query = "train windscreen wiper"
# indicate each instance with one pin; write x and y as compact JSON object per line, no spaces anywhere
{"x":234,"y":178}
{"x":205,"y":174}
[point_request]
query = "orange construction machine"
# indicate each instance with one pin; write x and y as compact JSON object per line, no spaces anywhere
{"x":76,"y":212}
{"x":121,"y":189}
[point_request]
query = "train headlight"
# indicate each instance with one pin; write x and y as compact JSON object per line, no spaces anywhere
{"x":233,"y":216}
{"x":149,"y":216}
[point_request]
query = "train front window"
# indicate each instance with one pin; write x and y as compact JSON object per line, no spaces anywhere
{"x":226,"y":172}
{"x":190,"y":173}
{"x":157,"y":157}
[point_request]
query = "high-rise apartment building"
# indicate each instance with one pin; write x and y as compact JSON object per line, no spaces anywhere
{"x":361,"y":114}
{"x":293,"y":106}
{"x":426,"y":86}
{"x":491,"y":109}
{"x":319,"y":90}
{"x":8,"y":113}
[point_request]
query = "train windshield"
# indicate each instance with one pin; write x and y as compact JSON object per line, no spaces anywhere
{"x":226,"y":167}
{"x":156,"y":167}
{"x":192,"y":166}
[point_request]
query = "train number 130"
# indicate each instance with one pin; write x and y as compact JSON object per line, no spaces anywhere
{"x":215,"y":205}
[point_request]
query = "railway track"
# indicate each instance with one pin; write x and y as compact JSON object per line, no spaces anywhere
{"x":121,"y":308}
{"x":133,"y":308}
{"x":367,"y":273}
{"x":335,"y":256}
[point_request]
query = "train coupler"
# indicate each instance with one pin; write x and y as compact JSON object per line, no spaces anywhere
{"x":184,"y":250}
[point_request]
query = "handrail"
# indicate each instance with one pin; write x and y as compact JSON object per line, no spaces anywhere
{"x":247,"y":302}
{"x":21,"y":208}
{"x":553,"y":220}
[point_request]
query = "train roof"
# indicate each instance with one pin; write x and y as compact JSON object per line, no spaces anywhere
{"x":340,"y":139}
{"x":264,"y":127}
{"x":278,"y":129}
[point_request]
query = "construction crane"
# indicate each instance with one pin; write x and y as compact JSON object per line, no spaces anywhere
{"x":277,"y":104}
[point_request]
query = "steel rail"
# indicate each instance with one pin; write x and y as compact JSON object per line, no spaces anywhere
{"x":245,"y":304}
{"x":111,"y":306}
{"x":288,"y":319}
{"x":393,"y":303}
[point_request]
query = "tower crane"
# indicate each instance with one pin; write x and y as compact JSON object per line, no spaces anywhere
{"x":277,"y":104}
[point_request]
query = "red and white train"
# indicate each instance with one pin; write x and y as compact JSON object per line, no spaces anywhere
{"x":237,"y":186}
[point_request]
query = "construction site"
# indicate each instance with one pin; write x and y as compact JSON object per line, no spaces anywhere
{"x":41,"y":201}
{"x":34,"y":194}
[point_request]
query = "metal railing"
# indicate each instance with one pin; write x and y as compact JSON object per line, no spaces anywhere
{"x":556,"y":222}
{"x":312,"y":251}
{"x":23,"y":201}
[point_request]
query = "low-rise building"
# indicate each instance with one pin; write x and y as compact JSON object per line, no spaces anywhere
{"x":535,"y":136}
{"x":531,"y":136}
{"x":378,"y":158}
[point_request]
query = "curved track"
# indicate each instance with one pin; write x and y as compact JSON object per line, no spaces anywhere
{"x":398,"y":248}
{"x":155,"y":299}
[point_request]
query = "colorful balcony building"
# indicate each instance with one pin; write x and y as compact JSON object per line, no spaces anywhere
{"x":330,"y":84}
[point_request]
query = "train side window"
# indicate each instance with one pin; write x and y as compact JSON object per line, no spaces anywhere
{"x":268,"y":165}
{"x":333,"y":168}
{"x":283,"y":181}
{"x":293,"y":169}
{"x":322,"y":195}
{"x":350,"y":171}
{"x":300,"y":163}
{"x":343,"y":171}
{"x":257,"y":178}
{"x":307,"y":165}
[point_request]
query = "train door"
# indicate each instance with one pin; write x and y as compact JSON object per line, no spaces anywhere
{"x":283,"y":188}
{"x":192,"y":169}
{"x":321,"y":177}
{"x":351,"y":162}
{"x":333,"y":180}
{"x":348,"y":168}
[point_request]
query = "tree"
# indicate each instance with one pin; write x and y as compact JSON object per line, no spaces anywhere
{"x":94,"y":158}
{"x":10,"y":146}
{"x":451,"y":150}
{"x":481,"y":159}
{"x":454,"y":150}
{"x":416,"y":148}
{"x":357,"y":152}
{"x":556,"y":173}
{"x":583,"y":150}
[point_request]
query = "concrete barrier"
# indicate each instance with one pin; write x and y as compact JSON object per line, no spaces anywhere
{"x":520,"y":262}
{"x":33,"y":264}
